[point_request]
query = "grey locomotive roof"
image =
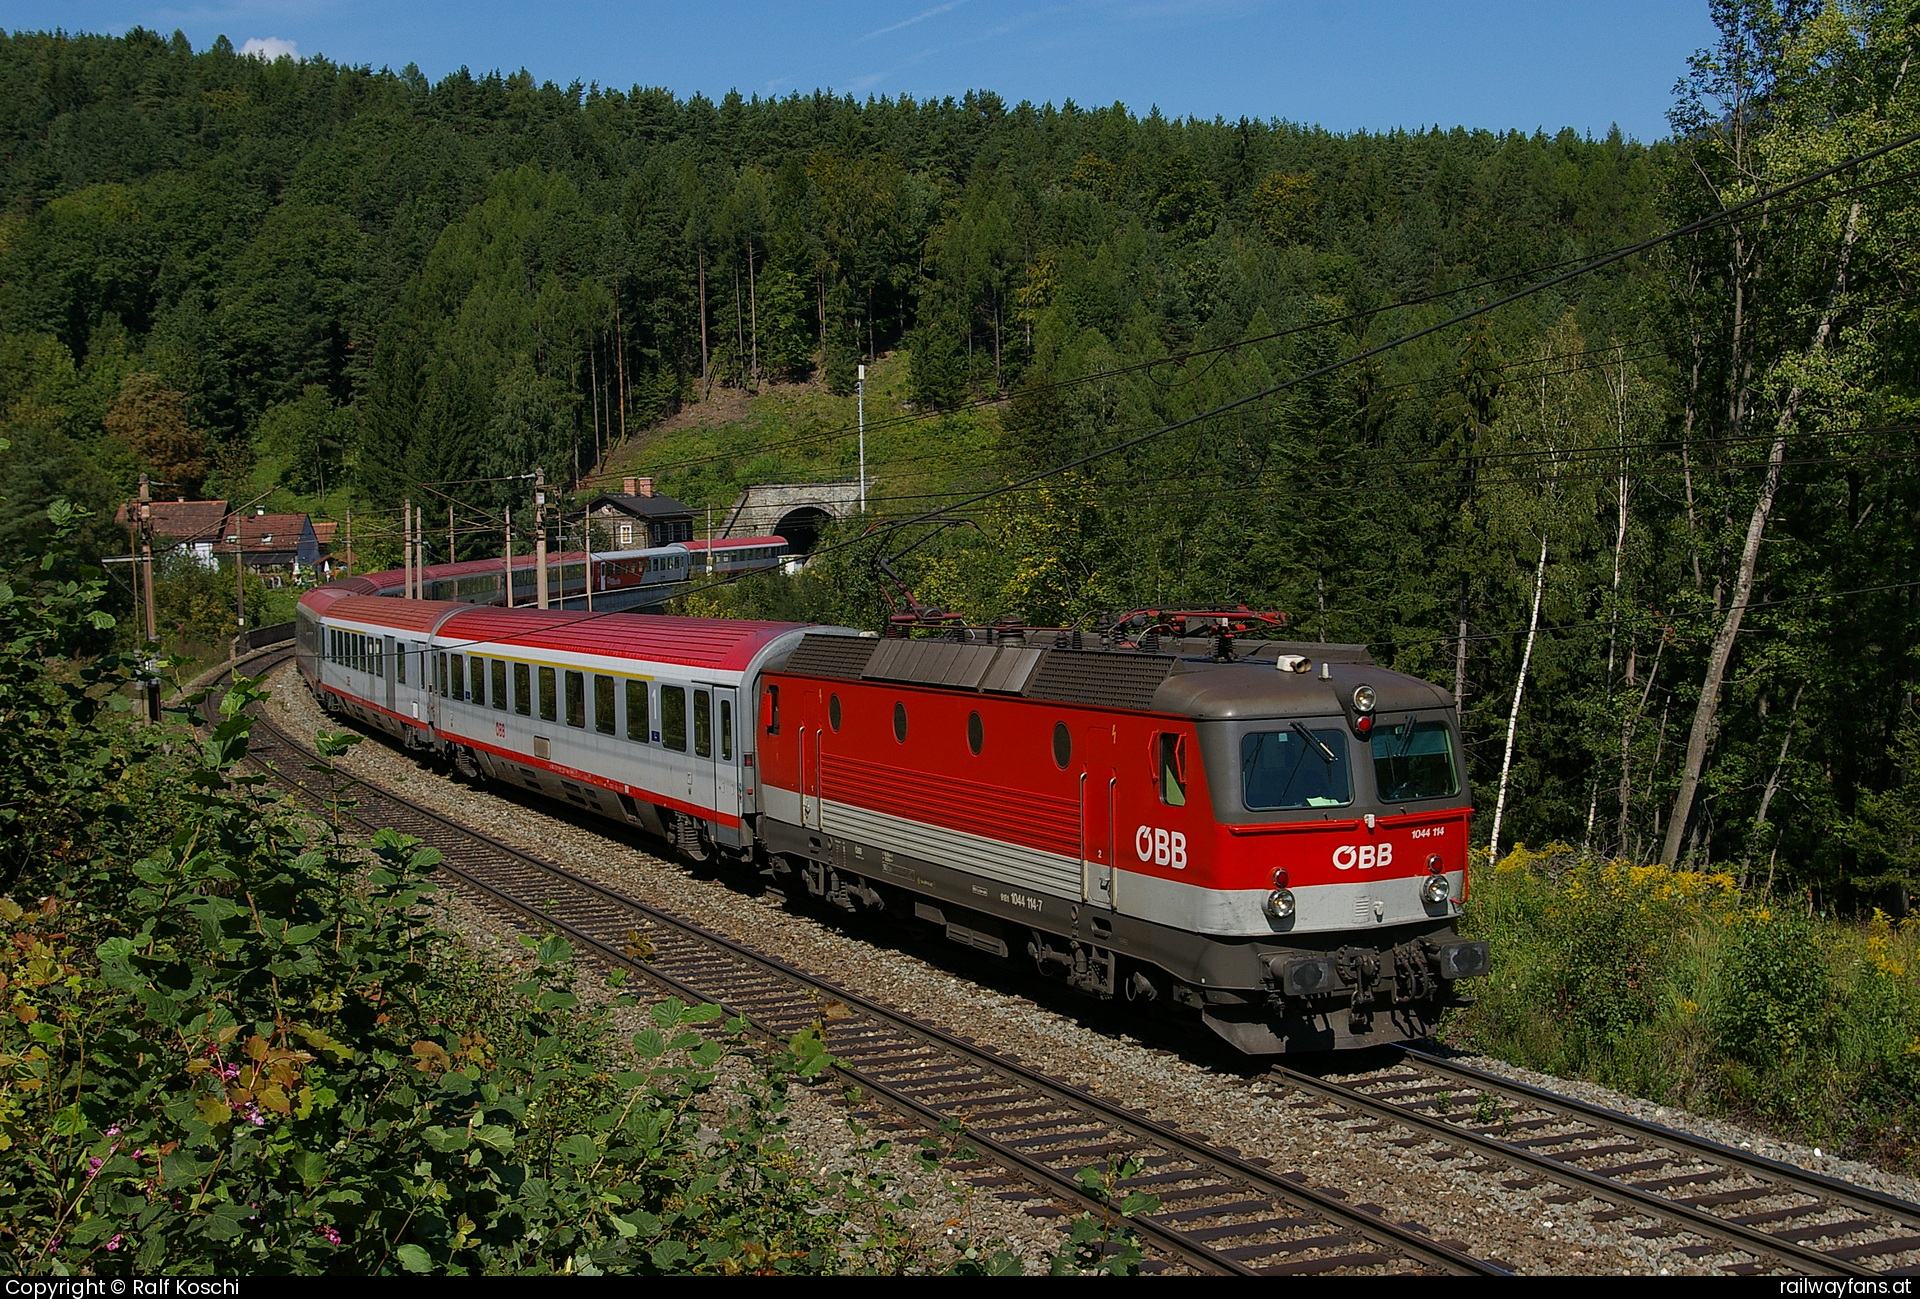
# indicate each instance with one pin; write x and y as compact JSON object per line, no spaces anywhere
{"x":1186,"y":681}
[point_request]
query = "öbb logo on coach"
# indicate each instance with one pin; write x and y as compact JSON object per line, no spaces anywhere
{"x":1366,"y":856}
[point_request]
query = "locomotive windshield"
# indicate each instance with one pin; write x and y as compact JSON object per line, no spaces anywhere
{"x":1294,"y":768}
{"x":1414,"y":760}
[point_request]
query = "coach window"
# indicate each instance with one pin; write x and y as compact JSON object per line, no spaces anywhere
{"x":523,"y":689}
{"x":499,"y":674}
{"x":477,"y":680}
{"x":603,"y":718}
{"x":636,"y":710}
{"x":379,"y":660}
{"x":833,"y":711}
{"x":900,"y":722}
{"x":441,"y":660}
{"x":400,"y":662}
{"x":457,"y":676}
{"x":673,"y":717}
{"x":771,"y":710}
{"x":976,"y":734}
{"x":577,"y":699}
{"x":702,"y":724}
{"x":549,"y":695}
{"x":726,"y":730}
{"x":1062,"y":745}
{"x":1171,"y":756}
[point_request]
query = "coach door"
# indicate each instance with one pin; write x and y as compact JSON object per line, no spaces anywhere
{"x":1098,"y":780}
{"x":726,"y":751}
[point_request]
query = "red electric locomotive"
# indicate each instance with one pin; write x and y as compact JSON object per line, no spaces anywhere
{"x":1273,"y":834}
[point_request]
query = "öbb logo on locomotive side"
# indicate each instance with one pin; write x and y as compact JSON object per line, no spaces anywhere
{"x":1160,"y":847}
{"x":1364,"y":855}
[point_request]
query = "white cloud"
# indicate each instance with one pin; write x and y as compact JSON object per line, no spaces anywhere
{"x":917,"y":18}
{"x":269,"y":48}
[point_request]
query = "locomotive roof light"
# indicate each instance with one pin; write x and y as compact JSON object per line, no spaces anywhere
{"x":1293,"y":663}
{"x":1363,"y":699}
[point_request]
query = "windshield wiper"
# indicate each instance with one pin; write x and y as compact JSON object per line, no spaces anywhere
{"x":1314,"y":740}
{"x":1406,"y":736}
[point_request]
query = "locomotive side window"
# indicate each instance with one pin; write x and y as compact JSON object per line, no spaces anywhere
{"x":726,"y":730}
{"x":900,"y":722}
{"x":603,"y":705}
{"x":499,"y":667}
{"x":976,"y":733}
{"x":549,"y":695}
{"x":772,"y":709}
{"x":1172,"y":757}
{"x":577,"y":699}
{"x":1062,"y":745}
{"x":673,"y":717}
{"x":1294,"y":768}
{"x":833,"y":711}
{"x":1414,"y":760}
{"x":637,"y":710}
{"x":702,"y":724}
{"x":522,"y":690}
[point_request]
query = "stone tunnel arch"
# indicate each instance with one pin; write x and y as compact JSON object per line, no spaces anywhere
{"x":802,"y":527}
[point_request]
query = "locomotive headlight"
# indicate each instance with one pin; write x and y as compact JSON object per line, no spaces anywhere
{"x":1435,"y":890}
{"x":1279,"y":904}
{"x":1363,"y":699}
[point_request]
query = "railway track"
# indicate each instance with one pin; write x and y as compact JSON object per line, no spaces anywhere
{"x":1220,"y":1211}
{"x":1729,"y":1201}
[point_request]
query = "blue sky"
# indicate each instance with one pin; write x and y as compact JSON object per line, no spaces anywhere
{"x":1342,"y":64}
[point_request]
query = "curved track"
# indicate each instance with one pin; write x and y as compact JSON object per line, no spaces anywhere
{"x":1220,"y":1211}
{"x":1728,"y":1201}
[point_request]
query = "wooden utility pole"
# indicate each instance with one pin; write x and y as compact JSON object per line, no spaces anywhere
{"x":240,"y":575}
{"x":450,"y":554}
{"x":540,"y":536}
{"x":149,"y":680}
{"x":509,"y":557}
{"x":406,"y":548}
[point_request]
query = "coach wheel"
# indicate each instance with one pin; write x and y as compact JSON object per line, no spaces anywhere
{"x":689,"y":836}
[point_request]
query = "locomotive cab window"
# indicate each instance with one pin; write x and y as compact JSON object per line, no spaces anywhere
{"x":673,"y":717}
{"x":1414,"y":760}
{"x":1294,"y":767}
{"x":549,"y":695}
{"x":522,"y":690}
{"x":1170,"y":754}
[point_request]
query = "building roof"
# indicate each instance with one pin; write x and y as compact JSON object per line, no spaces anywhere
{"x":325,"y":530}
{"x":182,"y":521}
{"x":732,"y":543}
{"x":642,"y":507}
{"x":266,"y":533}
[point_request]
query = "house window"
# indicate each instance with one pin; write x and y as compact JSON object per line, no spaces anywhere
{"x":626,"y":534}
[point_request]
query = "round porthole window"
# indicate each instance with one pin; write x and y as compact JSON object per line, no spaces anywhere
{"x":1062,"y":745}
{"x":976,"y":733}
{"x":833,"y":711}
{"x":900,"y":722}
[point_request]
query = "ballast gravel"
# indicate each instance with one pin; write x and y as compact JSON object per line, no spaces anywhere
{"x":1489,"y":1210}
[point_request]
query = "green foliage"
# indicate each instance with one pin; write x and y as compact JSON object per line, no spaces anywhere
{"x":1675,"y":985}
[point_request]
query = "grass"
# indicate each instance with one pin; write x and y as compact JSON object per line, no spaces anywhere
{"x":1676,"y":986}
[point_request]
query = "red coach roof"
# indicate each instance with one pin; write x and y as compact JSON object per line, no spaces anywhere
{"x":726,"y":644}
{"x":385,"y":611}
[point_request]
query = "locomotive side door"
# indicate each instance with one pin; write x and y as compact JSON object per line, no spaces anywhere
{"x":1098,"y":779}
{"x":810,"y":776}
